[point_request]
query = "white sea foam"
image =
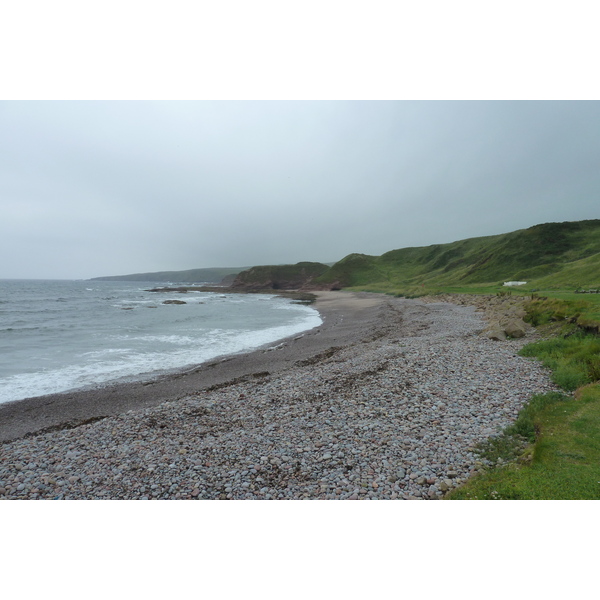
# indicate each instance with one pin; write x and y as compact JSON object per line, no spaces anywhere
{"x":166,"y":339}
{"x":106,"y":352}
{"x":101,"y":368}
{"x":126,"y":346}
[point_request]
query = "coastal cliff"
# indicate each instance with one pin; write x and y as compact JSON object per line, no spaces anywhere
{"x":279,"y":277}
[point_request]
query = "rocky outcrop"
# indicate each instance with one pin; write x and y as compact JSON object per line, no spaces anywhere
{"x":496,"y":333}
{"x":504,"y":314}
{"x":516,"y":328}
{"x":279,"y":277}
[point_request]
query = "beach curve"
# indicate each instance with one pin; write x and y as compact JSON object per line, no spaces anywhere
{"x":385,"y":400}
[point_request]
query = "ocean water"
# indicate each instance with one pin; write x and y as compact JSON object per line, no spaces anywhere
{"x":62,"y":335}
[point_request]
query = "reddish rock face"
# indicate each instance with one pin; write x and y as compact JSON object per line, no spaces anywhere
{"x":280,"y":277}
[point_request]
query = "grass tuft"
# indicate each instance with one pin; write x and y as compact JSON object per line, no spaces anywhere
{"x":562,"y":464}
{"x":574,"y":359}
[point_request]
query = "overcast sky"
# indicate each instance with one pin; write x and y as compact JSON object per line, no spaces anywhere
{"x":107,"y":188}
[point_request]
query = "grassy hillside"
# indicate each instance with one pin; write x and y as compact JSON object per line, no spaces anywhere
{"x":571,"y":276}
{"x":550,"y":256}
{"x":551,"y":252}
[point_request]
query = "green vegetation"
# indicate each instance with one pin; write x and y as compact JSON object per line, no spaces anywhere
{"x":562,"y":464}
{"x":574,"y":360}
{"x":550,"y":256}
{"x":558,"y":261}
{"x":553,"y":258}
{"x":571,"y":276}
{"x":565,"y":307}
{"x":552,"y":451}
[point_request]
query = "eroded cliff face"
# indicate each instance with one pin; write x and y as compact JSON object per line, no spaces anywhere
{"x":280,"y":277}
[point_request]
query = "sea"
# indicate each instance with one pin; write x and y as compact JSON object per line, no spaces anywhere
{"x":58,"y":336}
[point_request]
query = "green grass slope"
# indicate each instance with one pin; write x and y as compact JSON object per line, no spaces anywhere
{"x":571,"y":276}
{"x":538,"y":252}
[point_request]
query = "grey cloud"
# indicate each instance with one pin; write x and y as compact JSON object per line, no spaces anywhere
{"x":98,"y":188}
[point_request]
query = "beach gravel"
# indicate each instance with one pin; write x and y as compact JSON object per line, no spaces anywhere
{"x":392,"y":414}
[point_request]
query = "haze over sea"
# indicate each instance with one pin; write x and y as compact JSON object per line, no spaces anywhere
{"x":62,"y":335}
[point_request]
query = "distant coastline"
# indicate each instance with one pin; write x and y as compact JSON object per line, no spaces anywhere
{"x":212,"y":275}
{"x":550,"y":255}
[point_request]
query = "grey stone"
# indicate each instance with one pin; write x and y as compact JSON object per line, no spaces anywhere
{"x":423,"y":395}
{"x":515,"y":328}
{"x":496,"y":334}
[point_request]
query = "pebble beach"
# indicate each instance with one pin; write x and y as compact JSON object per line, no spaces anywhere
{"x":385,"y":400}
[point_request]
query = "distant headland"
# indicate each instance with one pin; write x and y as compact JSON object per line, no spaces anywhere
{"x":550,"y":255}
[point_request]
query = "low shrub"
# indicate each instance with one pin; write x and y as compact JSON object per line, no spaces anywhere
{"x":573,"y":359}
{"x":563,"y":463}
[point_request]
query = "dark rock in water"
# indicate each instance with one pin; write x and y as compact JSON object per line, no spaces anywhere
{"x":174,"y":302}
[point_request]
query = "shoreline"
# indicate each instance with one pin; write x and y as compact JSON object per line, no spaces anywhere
{"x":51,"y":412}
{"x":386,"y":400}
